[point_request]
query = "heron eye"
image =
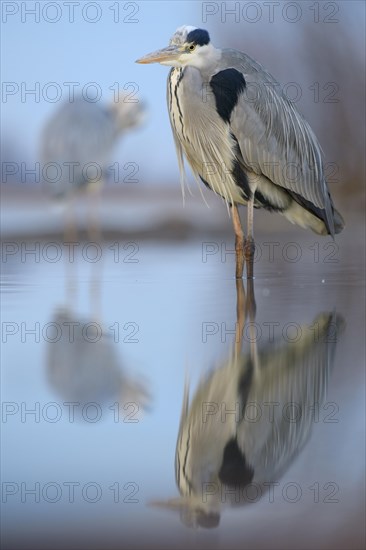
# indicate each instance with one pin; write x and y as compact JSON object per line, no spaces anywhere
{"x":192,"y":47}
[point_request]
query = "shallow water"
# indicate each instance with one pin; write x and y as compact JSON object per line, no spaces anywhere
{"x":95,"y":358}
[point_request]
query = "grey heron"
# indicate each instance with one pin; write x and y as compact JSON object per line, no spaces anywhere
{"x":249,"y":419}
{"x":258,"y":151}
{"x":77,"y":144}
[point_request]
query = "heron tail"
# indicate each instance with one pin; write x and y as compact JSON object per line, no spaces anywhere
{"x":308,"y":216}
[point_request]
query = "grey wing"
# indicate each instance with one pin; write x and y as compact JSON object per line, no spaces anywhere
{"x":274,"y":138}
{"x":291,"y":385}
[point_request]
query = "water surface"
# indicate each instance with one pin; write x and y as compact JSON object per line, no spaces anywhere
{"x":95,"y":358}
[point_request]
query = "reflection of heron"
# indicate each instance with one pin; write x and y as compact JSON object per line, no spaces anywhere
{"x":83,"y":366}
{"x":243,"y":138}
{"x":77,"y":145}
{"x":249,"y":419}
{"x":83,"y":363}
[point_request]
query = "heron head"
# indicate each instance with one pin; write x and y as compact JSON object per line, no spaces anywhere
{"x":129,"y":111}
{"x":189,"y":46}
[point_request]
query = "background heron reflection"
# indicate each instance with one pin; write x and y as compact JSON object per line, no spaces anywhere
{"x":251,"y":417}
{"x":86,"y":368}
{"x":83,"y":364}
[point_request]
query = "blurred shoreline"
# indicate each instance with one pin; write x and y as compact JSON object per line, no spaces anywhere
{"x":153,"y":212}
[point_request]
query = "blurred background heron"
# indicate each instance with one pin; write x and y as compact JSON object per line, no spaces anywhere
{"x":76,"y":148}
{"x":259,"y":152}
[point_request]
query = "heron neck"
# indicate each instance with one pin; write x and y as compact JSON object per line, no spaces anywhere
{"x":207,"y":64}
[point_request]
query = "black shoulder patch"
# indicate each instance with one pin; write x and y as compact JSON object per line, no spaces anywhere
{"x":234,"y":470}
{"x":199,"y":37}
{"x":226,"y":86}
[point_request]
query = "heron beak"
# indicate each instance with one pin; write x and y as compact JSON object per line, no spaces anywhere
{"x":165,"y":55}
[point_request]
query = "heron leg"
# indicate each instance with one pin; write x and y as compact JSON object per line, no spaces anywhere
{"x":95,"y":236}
{"x":70,"y":232}
{"x":239,"y":242}
{"x":240,"y":316}
{"x":70,"y":238}
{"x":251,"y":309}
{"x":249,"y":247}
{"x":245,"y":307}
{"x":93,"y":223}
{"x":251,"y":306}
